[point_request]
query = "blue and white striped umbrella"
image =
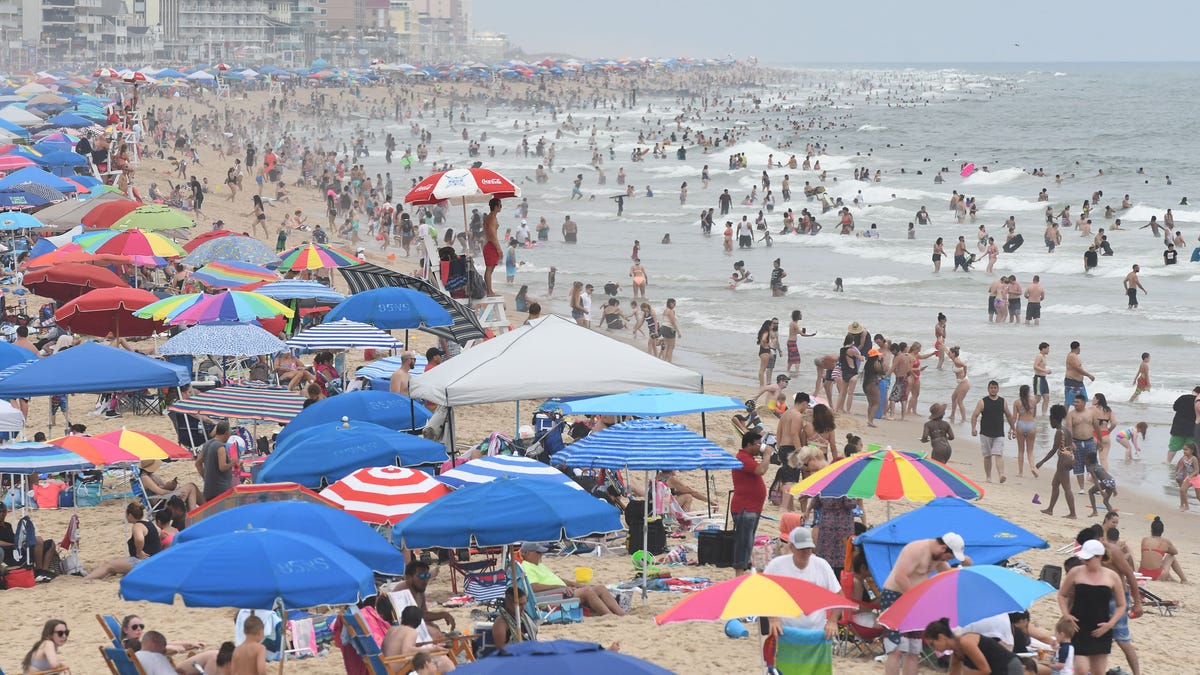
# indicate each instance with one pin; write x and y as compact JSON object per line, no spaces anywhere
{"x":344,"y":334}
{"x":383,"y":368}
{"x":294,"y":289}
{"x":646,"y":445}
{"x":487,"y":469}
{"x":40,"y":458}
{"x":223,"y":339}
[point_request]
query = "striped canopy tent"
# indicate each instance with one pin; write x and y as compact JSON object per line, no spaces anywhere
{"x":487,"y":469}
{"x":344,"y":334}
{"x":384,"y":495}
{"x":243,"y":401}
{"x":223,"y":339}
{"x":466,"y":326}
{"x":26,"y":458}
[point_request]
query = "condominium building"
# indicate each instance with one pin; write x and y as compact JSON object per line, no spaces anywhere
{"x":210,"y":30}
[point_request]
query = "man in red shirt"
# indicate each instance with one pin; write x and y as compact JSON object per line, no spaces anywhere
{"x":749,"y":494}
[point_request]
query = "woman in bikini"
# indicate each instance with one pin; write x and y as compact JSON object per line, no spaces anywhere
{"x":963,"y":386}
{"x":1024,"y":411}
{"x":939,"y":339}
{"x":639,"y":279}
{"x":1159,"y":555}
{"x":849,"y":360}
{"x":1106,"y":422}
{"x":764,"y":351}
{"x":938,"y":252}
{"x":914,"y":387}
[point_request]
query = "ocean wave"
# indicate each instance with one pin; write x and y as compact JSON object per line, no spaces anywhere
{"x":872,"y":127}
{"x":1139,"y":214}
{"x":1090,"y":310}
{"x":1060,"y":74}
{"x":998,"y":177}
{"x":1004,"y":203}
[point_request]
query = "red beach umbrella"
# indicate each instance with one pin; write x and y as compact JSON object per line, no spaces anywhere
{"x":109,"y":310}
{"x":462,"y":186}
{"x":107,"y":213}
{"x":68,"y":281}
{"x":384,"y":495}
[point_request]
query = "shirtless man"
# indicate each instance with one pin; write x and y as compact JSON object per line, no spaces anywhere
{"x":1041,"y":385}
{"x":570,"y":230}
{"x":917,"y":560}
{"x":900,"y":372}
{"x":960,"y":255}
{"x":1083,"y":426}
{"x":1034,"y":294}
{"x":775,"y":392}
{"x":1141,"y":380}
{"x":492,"y":253}
{"x":824,"y":365}
{"x":402,"y":377}
{"x":1014,"y":299}
{"x":1073,"y":379}
{"x":994,"y":291}
{"x":791,"y":428}
{"x":1132,"y":284}
{"x":795,"y":331}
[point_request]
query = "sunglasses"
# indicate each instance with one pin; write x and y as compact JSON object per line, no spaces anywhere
{"x":63,"y":633}
{"x":136,"y":626}
{"x":424,"y":575}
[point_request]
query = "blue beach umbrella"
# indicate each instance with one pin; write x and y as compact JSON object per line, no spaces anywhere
{"x":391,"y":307}
{"x":294,"y":289}
{"x":343,"y":334}
{"x":253,"y":569}
{"x":487,"y":469}
{"x":61,"y":158}
{"x":534,"y":510}
{"x":646,"y":445}
{"x":15,"y":220}
{"x":326,"y":453}
{"x":651,"y":402}
{"x":69,"y":120}
{"x":245,"y":249}
{"x":11,"y":355}
{"x":19,"y":199}
{"x":560,"y":657}
{"x":382,"y":408}
{"x":335,"y":525}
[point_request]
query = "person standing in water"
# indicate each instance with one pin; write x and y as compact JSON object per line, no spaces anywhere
{"x":638,"y":273}
{"x":1132,"y":284}
{"x":1141,"y":380}
{"x":795,"y":331}
{"x":492,"y":253}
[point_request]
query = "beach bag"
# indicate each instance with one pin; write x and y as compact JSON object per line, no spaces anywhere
{"x":66,"y":498}
{"x":486,"y":586}
{"x":763,"y":551}
{"x":87,"y":494}
{"x":71,"y":563}
{"x":19,"y":577}
{"x":14,"y":498}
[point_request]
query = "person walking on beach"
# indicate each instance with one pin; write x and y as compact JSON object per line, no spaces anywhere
{"x":1081,"y":423}
{"x":993,"y":411}
{"x":1024,"y":412}
{"x":1132,"y":284}
{"x":1141,"y":379}
{"x":491,"y":247}
{"x":749,"y":495}
{"x":1066,"y":462}
{"x":1183,"y":424}
{"x":917,"y":560}
{"x":1073,"y":378}
{"x":1041,"y":386}
{"x":795,"y":331}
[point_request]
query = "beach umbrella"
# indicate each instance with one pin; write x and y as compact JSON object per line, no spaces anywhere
{"x":62,"y":158}
{"x":94,"y":450}
{"x":964,"y":595}
{"x":314,"y":257}
{"x":466,"y":326}
{"x":223,"y":339}
{"x":132,"y":242}
{"x":208,"y":236}
{"x":384,"y":495}
{"x":344,"y":334}
{"x":888,"y":475}
{"x":383,"y":369}
{"x":153,"y":217}
{"x":67,"y":281}
{"x":73,"y":254}
{"x":383,"y":408}
{"x":646,"y":445}
{"x":108,"y":212}
{"x":11,"y":355}
{"x":754,"y":595}
{"x":328,"y":452}
{"x":15,"y":220}
{"x":46,"y":192}
{"x":487,"y":469}
{"x":462,"y":186}
{"x":70,"y":121}
{"x":340,"y":528}
{"x":389,"y":308}
{"x":267,"y":567}
{"x":257,"y":493}
{"x":245,"y":249}
{"x":28,"y":457}
{"x":11,"y":162}
{"x":296,"y":289}
{"x":18,"y":200}
{"x":534,"y":510}
{"x":560,"y":657}
{"x":232,"y":274}
{"x":68,"y":214}
{"x":108,"y":311}
{"x":145,"y":445}
{"x":243,"y":401}
{"x":205,"y":308}
{"x":651,"y":402}
{"x":105,"y":73}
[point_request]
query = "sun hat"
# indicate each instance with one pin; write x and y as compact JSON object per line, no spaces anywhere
{"x":937,"y":410}
{"x":855,"y":328}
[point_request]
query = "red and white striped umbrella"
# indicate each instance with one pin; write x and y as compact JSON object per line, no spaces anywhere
{"x":222,"y":67}
{"x":384,"y":495}
{"x":462,"y":186}
{"x":135,"y":76}
{"x":106,"y":73}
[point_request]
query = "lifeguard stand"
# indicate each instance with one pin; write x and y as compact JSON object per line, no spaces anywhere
{"x":491,"y":314}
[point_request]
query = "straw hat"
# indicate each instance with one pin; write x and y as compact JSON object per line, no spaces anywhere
{"x":150,"y":465}
{"x":855,"y":328}
{"x":937,"y":411}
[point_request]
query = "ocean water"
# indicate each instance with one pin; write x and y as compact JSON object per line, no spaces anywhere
{"x":1075,"y":120}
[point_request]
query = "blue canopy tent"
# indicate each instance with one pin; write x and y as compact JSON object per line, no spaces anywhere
{"x":326,"y":453}
{"x":32,"y":174}
{"x":92,"y":368}
{"x":11,"y":355}
{"x":989,"y":538}
{"x":376,"y":407}
{"x":69,"y":120}
{"x":379,"y":372}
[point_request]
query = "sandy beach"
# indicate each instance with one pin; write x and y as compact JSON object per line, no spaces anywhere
{"x":697,"y":649}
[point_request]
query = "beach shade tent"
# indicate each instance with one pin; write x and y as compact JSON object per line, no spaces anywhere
{"x":11,"y":355}
{"x":296,"y":289}
{"x":104,"y":311}
{"x":71,"y":213}
{"x":260,"y":493}
{"x":222,"y":339}
{"x":232,"y":274}
{"x":384,"y":495}
{"x":466,"y":327}
{"x":27,"y":458}
{"x":105,"y":213}
{"x":988,"y":537}
{"x":390,"y":308}
{"x":67,"y":281}
{"x":646,"y":445}
{"x":92,"y":368}
{"x":208,"y":236}
{"x":145,"y":445}
{"x":534,"y":510}
{"x":245,"y":249}
{"x":487,"y":469}
{"x":40,"y":177}
{"x":380,"y":371}
{"x":383,"y":408}
{"x":651,"y":402}
{"x":151,"y":217}
{"x":344,"y":334}
{"x":69,"y":120}
{"x":243,"y":401}
{"x":339,"y":527}
{"x":325,"y":453}
{"x":314,"y":257}
{"x":560,"y":657}
{"x":964,"y":595}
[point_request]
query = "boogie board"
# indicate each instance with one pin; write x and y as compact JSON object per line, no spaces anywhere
{"x":1014,"y":243}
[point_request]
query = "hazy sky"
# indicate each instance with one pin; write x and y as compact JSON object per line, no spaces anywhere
{"x":895,"y":31}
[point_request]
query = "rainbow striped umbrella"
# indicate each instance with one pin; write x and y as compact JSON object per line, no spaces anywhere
{"x":964,"y":595}
{"x":132,"y":242}
{"x":231,"y":274}
{"x":145,"y":445}
{"x":204,"y":308}
{"x":94,"y":450}
{"x":29,"y":457}
{"x":754,"y":595}
{"x":315,"y":257}
{"x":889,"y":475}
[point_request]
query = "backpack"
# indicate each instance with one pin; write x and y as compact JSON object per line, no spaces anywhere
{"x":23,"y":540}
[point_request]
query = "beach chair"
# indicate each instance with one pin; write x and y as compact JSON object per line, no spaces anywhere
{"x":189,"y":430}
{"x":302,"y":638}
{"x":458,"y":647}
{"x":111,"y":627}
{"x":466,"y":570}
{"x":854,"y":636}
{"x":152,"y":502}
{"x":52,"y":671}
{"x":548,"y":607}
{"x":364,"y":645}
{"x":1165,"y":607}
{"x":121,"y":661}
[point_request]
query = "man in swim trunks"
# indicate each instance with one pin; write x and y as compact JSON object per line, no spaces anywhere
{"x":1084,"y":428}
{"x":1141,"y":381}
{"x":1034,"y":294}
{"x":1132,"y":284}
{"x":960,"y":255}
{"x":1041,"y":386}
{"x":917,"y":560}
{"x":492,"y":253}
{"x":795,"y":331}
{"x":994,"y":412}
{"x":1073,"y":379}
{"x":570,"y":230}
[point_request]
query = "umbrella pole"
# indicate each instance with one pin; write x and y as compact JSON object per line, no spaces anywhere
{"x":283,"y":637}
{"x":646,"y":539}
{"x":512,"y":558}
{"x":708,"y":492}
{"x":450,"y":430}
{"x":517,"y":422}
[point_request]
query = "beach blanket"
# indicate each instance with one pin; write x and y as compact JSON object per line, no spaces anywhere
{"x":799,"y":652}
{"x":678,"y":584}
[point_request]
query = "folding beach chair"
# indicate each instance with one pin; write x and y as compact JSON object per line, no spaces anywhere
{"x":121,"y":661}
{"x":112,"y":628}
{"x":1165,"y":607}
{"x":466,"y":569}
{"x":364,"y":645}
{"x":459,"y":647}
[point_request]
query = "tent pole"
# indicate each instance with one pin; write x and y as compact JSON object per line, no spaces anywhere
{"x":646,"y":539}
{"x":453,"y":452}
{"x":517,"y":422}
{"x":283,"y":637}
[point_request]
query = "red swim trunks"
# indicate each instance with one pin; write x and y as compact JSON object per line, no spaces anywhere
{"x":491,"y":254}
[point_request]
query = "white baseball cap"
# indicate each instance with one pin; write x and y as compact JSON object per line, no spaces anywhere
{"x":1090,"y":549}
{"x":955,"y":543}
{"x":801,"y":538}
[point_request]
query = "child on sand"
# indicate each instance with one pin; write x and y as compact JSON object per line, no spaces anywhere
{"x":250,"y":657}
{"x":1064,"y":656}
{"x":1185,"y":470}
{"x":1102,"y":482}
{"x":1066,"y":462}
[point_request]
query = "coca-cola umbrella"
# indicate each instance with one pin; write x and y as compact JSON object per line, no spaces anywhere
{"x":68,"y":281}
{"x":462,"y":187}
{"x":106,"y":311}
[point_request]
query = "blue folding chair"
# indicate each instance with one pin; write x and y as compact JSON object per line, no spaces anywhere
{"x":121,"y":661}
{"x":360,"y":638}
{"x":111,"y":627}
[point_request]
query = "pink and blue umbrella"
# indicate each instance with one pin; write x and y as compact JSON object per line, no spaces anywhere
{"x":964,"y":595}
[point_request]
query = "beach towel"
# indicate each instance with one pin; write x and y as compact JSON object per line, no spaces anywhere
{"x":799,"y":652}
